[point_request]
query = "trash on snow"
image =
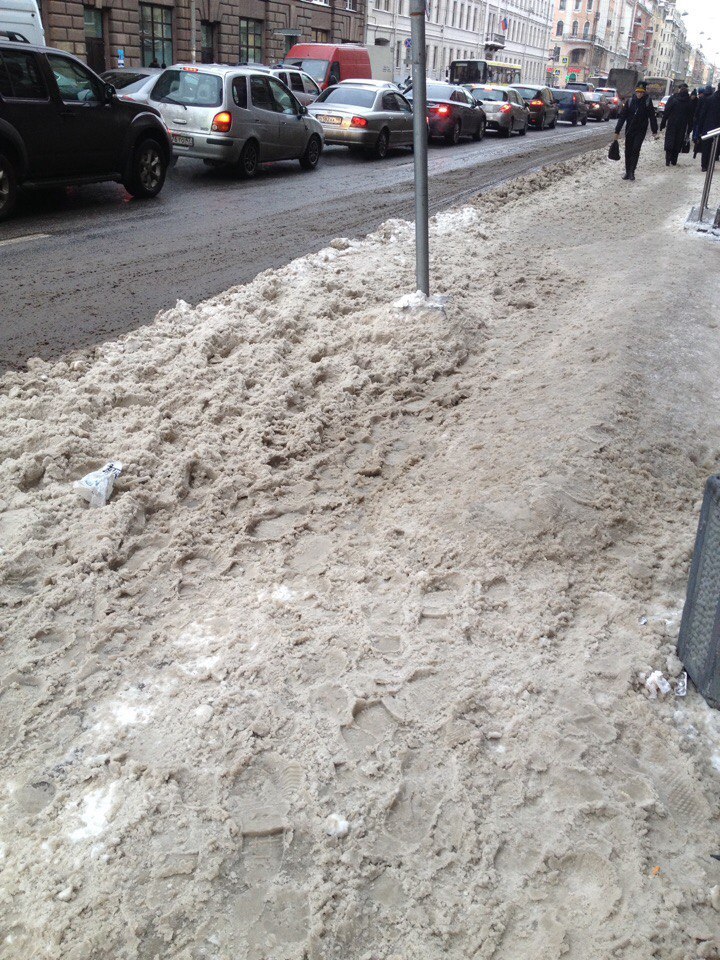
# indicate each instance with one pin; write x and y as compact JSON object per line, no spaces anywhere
{"x":657,"y":685}
{"x":97,"y":486}
{"x":681,"y":685}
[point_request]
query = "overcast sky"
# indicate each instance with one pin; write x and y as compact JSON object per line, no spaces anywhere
{"x":703,"y":17}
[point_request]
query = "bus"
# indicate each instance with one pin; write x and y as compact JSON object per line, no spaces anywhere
{"x":484,"y":71}
{"x":659,"y":87}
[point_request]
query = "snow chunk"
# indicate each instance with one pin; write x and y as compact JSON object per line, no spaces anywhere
{"x":95,"y":813}
{"x":418,"y":301}
{"x":337,"y":826}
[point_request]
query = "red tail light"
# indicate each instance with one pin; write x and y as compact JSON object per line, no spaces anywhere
{"x":536,"y":103}
{"x":616,"y":99}
{"x":506,"y":108}
{"x":574,"y":99}
{"x":222,"y":122}
{"x":358,"y":122}
{"x":443,"y":111}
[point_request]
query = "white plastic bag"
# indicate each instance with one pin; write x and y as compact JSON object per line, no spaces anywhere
{"x":97,"y":486}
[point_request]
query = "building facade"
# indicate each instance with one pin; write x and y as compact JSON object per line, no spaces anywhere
{"x":106,"y":32}
{"x":670,"y":55}
{"x":587,"y":38}
{"x":641,"y":37}
{"x":512,"y":32}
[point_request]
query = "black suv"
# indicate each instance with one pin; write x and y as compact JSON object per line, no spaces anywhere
{"x":61,"y":124}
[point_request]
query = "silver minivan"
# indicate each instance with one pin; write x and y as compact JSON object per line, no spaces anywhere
{"x":235,"y":115}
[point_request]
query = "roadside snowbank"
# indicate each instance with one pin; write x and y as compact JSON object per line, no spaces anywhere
{"x":348,"y":666}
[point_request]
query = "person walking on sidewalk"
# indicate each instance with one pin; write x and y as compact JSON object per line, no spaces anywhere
{"x":708,"y":118}
{"x":677,"y":123}
{"x":637,"y":113}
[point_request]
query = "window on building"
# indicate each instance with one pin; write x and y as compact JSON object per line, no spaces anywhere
{"x":589,"y":5}
{"x":156,"y":35}
{"x":586,"y":30}
{"x":351,"y":5}
{"x":563,"y":5}
{"x":576,"y":56}
{"x":575,"y":28}
{"x":208,"y":35}
{"x":320,"y":36}
{"x":94,"y":39}
{"x":578,"y":4}
{"x":251,"y":40}
{"x":560,"y":28}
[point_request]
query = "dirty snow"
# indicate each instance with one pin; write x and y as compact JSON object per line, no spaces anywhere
{"x":384,"y":566}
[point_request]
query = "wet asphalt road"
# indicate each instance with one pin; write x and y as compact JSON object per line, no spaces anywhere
{"x":81,"y":266}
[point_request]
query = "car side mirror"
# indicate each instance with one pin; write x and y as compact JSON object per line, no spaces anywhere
{"x":110,"y":93}
{"x":303,"y":110}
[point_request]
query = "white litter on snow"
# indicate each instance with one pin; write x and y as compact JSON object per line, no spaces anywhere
{"x":337,"y":826}
{"x":95,"y":813}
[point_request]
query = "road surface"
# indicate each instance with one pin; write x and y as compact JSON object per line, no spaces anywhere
{"x":82,"y":266}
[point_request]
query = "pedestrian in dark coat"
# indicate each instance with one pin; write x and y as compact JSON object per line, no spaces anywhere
{"x":677,"y":124}
{"x":708,"y":119}
{"x":637,"y":113}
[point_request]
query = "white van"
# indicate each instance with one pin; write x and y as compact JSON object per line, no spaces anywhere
{"x":20,"y":20}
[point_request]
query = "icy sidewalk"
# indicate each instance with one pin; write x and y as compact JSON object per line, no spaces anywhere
{"x":347,"y":668}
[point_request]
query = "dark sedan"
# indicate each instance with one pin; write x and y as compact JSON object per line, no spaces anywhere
{"x":541,"y":104}
{"x":573,"y":106}
{"x":598,"y":107}
{"x":452,"y":113}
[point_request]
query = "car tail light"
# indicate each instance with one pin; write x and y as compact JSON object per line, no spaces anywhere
{"x":358,"y":122}
{"x":221,"y":122}
{"x":505,"y":109}
{"x":574,"y":99}
{"x":443,"y":110}
{"x":536,"y":103}
{"x":616,"y":99}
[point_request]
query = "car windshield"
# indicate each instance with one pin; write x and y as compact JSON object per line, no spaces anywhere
{"x":607,"y":92}
{"x":563,"y":94}
{"x":124,"y":80}
{"x":190,"y":88}
{"x":528,"y":93}
{"x":317,"y":69}
{"x":489,"y":95}
{"x":439,"y":91}
{"x":352,"y":96}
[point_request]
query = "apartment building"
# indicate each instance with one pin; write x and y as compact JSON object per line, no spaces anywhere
{"x":512,"y":32}
{"x":670,"y":54}
{"x":583,"y":38}
{"x":106,"y":32}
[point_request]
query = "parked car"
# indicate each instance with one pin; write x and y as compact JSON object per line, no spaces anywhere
{"x":235,"y":116}
{"x":371,"y":115}
{"x":598,"y":107}
{"x":133,"y":83}
{"x":504,"y":107}
{"x":579,"y":85}
{"x":329,"y":63}
{"x":660,"y":108}
{"x":61,"y":124}
{"x":541,"y":105}
{"x":573,"y":107}
{"x":452,"y":113}
{"x":613,"y":99}
{"x":20,"y":22}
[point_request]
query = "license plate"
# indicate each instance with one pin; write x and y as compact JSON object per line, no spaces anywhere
{"x":181,"y":141}
{"x":325,"y":119}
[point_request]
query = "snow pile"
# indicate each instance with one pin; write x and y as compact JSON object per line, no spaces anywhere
{"x":347,"y":665}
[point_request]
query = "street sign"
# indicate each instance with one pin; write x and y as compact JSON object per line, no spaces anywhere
{"x":121,"y":59}
{"x":564,"y":59}
{"x":408,"y":43}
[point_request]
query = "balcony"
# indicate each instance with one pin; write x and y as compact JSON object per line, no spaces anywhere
{"x":578,"y":38}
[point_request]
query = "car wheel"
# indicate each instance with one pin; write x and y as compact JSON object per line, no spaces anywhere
{"x":584,"y":122}
{"x":8,"y":186}
{"x":310,"y":159}
{"x":504,"y":132}
{"x":149,"y":167}
{"x":453,"y":136}
{"x":480,"y":132}
{"x":524,"y":129}
{"x":574,"y":122}
{"x":379,"y":151}
{"x":551,"y":126}
{"x":541,"y":125}
{"x":249,"y":161}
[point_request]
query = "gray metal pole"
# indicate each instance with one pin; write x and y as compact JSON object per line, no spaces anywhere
{"x":193,"y":33}
{"x":420,"y":144}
